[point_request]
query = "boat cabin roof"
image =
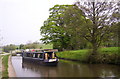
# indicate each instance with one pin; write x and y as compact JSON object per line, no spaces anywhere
{"x":50,"y":50}
{"x":43,"y":51}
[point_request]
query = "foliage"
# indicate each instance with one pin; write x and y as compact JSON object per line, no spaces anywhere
{"x":9,"y":48}
{"x":89,"y":24}
{"x":109,"y":55}
{"x":22,"y":46}
{"x":98,"y":29}
{"x":73,"y":26}
{"x":114,"y":38}
{"x":75,"y":22}
{"x":54,"y":29}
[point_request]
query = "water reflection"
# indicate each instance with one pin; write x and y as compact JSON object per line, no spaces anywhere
{"x":26,"y":69}
{"x":102,"y":70}
{"x":44,"y":71}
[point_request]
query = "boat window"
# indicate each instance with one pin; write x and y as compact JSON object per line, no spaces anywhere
{"x":28,"y":54}
{"x":49,"y":55}
{"x":33,"y":55}
{"x":40,"y":55}
{"x":53,"y":55}
{"x":46,"y":56}
{"x":36,"y":55}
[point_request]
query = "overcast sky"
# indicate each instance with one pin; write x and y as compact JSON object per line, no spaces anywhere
{"x":20,"y":20}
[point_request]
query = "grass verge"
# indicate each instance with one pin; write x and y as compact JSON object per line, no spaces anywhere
{"x":5,"y":66}
{"x":81,"y":55}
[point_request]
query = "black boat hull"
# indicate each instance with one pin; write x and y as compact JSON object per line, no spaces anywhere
{"x":39,"y":61}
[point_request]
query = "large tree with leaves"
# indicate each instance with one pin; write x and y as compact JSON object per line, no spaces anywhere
{"x":56,"y":30}
{"x":74,"y":21}
{"x":53,"y":28}
{"x":96,"y":25}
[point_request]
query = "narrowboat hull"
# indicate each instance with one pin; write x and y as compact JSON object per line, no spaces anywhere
{"x":40,"y":61}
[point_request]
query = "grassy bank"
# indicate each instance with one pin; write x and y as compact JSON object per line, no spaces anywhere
{"x":105,"y":55}
{"x":5,"y":66}
{"x":81,"y":55}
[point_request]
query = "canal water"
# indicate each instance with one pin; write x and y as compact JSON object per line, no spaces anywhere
{"x":64,"y":69}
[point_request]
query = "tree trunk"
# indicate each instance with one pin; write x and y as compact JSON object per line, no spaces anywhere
{"x":92,"y":57}
{"x":95,"y":48}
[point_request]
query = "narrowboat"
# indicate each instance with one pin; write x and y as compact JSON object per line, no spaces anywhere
{"x":43,"y":57}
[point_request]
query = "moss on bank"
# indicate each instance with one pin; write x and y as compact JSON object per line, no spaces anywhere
{"x":5,"y":66}
{"x":105,"y":55}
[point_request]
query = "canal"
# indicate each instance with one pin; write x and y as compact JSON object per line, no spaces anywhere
{"x":64,"y":69}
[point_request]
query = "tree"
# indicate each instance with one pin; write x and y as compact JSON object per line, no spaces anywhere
{"x":53,"y":28}
{"x":100,"y":15}
{"x":74,"y":19}
{"x":22,"y":46}
{"x":56,"y":30}
{"x":95,"y":25}
{"x":113,"y":41}
{"x":9,"y":48}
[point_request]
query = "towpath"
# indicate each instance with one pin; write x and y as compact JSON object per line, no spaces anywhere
{"x":11,"y":72}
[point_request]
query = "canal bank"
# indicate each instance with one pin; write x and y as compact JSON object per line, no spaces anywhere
{"x":11,"y":71}
{"x":7,"y":68}
{"x":108,"y":55}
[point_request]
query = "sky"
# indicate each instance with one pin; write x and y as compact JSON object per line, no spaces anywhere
{"x":20,"y":20}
